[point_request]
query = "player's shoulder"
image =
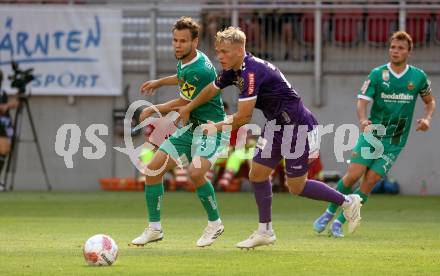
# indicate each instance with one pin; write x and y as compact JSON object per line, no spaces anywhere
{"x":253,"y":61}
{"x":417,"y":71}
{"x":378,"y":73}
{"x":202,"y":65}
{"x":379,"y":69}
{"x":254,"y":65}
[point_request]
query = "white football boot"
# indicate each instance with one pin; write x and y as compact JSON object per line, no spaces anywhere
{"x":257,"y":239}
{"x":352,"y":212}
{"x":210,"y":234}
{"x":149,"y":235}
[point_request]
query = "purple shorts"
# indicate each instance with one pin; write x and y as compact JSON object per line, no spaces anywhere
{"x":295,"y":142}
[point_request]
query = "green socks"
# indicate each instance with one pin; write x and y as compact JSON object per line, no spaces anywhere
{"x":206,"y":195}
{"x":364,"y":197}
{"x":153,"y":197}
{"x":154,"y":194}
{"x":333,"y":207}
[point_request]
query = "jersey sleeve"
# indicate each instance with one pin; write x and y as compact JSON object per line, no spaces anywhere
{"x":425,"y":88}
{"x":368,"y":89}
{"x":225,"y":79}
{"x":251,"y":85}
{"x":195,"y":81}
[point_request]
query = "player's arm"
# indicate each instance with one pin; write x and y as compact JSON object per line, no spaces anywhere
{"x":149,"y":87}
{"x":423,"y":124}
{"x":365,"y":96}
{"x":361,"y":110}
{"x":241,"y":117}
{"x":207,"y":93}
{"x":162,"y":108}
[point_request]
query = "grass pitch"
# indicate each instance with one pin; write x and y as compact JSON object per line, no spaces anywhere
{"x":42,"y":234}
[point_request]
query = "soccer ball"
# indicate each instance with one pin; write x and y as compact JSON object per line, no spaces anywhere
{"x":100,"y":250}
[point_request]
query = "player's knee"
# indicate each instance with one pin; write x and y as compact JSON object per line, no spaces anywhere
{"x":150,"y":180}
{"x":369,"y":182}
{"x":295,"y":190}
{"x":354,"y":173}
{"x":195,"y":174}
{"x":153,"y":175}
{"x":257,"y":176}
{"x":349,"y":180}
{"x":351,"y":177}
{"x":254,"y":177}
{"x":296,"y":187}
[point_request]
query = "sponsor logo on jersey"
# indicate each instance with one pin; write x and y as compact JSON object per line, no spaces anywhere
{"x":394,"y":96}
{"x":411,"y":85}
{"x":386,"y":75}
{"x":188,"y":90}
{"x":386,"y":84}
{"x":251,"y":87}
{"x":365,"y":86}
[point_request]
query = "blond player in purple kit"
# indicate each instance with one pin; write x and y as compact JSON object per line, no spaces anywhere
{"x":290,"y":127}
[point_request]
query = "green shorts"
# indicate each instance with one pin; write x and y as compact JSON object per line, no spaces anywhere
{"x":185,"y":144}
{"x":381,"y":164}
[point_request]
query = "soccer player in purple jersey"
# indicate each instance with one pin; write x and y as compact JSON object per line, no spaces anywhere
{"x":290,"y":125}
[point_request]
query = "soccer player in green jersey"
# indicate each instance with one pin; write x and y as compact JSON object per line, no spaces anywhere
{"x":186,"y":145}
{"x":393,"y":89}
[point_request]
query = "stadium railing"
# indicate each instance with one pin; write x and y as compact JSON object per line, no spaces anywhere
{"x":354,"y":33}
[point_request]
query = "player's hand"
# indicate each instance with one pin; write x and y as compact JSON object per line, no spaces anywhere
{"x":364,"y":124}
{"x":209,"y":128}
{"x":423,"y":124}
{"x":148,"y":88}
{"x":183,"y":115}
{"x":147,"y":112}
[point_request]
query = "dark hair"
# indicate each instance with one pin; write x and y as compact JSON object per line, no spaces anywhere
{"x":401,"y":35}
{"x":187,"y":23}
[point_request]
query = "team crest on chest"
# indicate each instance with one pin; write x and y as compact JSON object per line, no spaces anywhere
{"x":386,"y":75}
{"x":411,"y":85}
{"x":239,"y":82}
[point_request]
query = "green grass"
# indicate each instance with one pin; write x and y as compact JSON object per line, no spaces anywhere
{"x":42,"y":234}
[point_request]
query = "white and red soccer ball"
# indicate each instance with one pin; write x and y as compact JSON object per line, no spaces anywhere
{"x":159,"y":130}
{"x":100,"y":250}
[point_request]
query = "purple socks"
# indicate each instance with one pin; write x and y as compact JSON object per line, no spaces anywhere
{"x":313,"y":189}
{"x":263,"y":197}
{"x":320,"y":191}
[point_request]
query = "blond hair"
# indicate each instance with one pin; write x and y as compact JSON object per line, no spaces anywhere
{"x":231,"y":35}
{"x":402,"y":35}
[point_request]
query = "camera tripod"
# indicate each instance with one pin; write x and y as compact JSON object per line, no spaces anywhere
{"x":23,"y":103}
